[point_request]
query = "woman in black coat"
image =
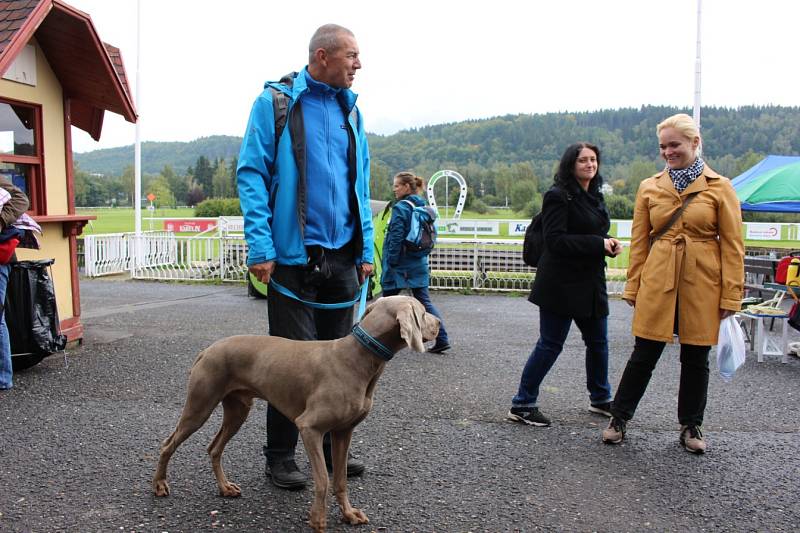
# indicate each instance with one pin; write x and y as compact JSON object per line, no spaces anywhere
{"x":570,"y":283}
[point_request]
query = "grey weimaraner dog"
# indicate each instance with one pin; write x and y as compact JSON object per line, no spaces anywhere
{"x":323,"y":386}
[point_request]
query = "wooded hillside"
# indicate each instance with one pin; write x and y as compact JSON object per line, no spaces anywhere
{"x":508,"y":159}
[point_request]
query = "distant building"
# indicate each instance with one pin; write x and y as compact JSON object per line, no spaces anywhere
{"x":56,"y":73}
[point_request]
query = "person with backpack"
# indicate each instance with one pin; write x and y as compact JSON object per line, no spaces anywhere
{"x":570,"y":282}
{"x":405,"y":262}
{"x":303,"y":180}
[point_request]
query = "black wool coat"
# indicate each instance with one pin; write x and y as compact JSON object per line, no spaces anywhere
{"x":570,"y":279}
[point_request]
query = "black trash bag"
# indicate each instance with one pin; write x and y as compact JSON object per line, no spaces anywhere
{"x":31,"y":313}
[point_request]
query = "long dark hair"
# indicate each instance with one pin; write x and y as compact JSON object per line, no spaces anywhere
{"x":565,"y":177}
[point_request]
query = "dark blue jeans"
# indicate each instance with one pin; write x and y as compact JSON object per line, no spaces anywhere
{"x":422,"y":295}
{"x":6,"y":380}
{"x":553,"y":330}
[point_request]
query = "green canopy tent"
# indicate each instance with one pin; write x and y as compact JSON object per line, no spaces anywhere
{"x":771,"y":185}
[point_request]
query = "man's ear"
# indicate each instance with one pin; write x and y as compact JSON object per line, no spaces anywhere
{"x":321,"y":57}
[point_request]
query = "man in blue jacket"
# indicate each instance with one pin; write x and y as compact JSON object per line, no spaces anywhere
{"x":307,"y":216}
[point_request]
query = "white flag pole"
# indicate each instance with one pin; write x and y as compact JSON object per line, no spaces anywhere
{"x":696,"y":115}
{"x":137,"y":157}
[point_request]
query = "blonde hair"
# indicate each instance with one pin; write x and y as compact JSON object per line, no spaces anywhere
{"x":409,"y":178}
{"x":685,"y":125}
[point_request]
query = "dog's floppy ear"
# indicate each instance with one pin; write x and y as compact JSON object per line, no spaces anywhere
{"x":410,"y":321}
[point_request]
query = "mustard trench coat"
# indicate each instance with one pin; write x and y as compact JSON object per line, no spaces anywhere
{"x":698,"y":262}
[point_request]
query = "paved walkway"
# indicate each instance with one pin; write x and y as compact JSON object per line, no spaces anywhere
{"x":80,"y":436}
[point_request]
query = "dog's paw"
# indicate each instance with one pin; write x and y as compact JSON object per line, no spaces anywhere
{"x":318,"y":524}
{"x":354,"y":517}
{"x":161,"y":488}
{"x":230,"y":490}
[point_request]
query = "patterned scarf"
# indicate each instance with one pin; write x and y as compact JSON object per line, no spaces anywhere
{"x":682,"y":178}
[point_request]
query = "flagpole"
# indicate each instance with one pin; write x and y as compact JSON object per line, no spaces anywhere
{"x":137,"y":151}
{"x":696,"y":114}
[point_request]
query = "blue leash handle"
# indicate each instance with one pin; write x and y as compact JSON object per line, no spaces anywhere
{"x":361,"y":299}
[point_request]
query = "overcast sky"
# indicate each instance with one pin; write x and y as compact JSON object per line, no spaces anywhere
{"x":203,"y":62}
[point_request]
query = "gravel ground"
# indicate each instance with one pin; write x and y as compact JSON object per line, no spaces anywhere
{"x":80,"y":434}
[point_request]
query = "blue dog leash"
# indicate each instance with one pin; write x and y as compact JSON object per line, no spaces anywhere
{"x":361,"y":299}
{"x":365,"y":339}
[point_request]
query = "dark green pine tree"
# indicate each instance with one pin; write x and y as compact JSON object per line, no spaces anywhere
{"x":204,"y":175}
{"x":232,"y":167}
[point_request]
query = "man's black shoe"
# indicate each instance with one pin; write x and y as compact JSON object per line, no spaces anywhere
{"x":286,"y":475}
{"x":354,"y":468}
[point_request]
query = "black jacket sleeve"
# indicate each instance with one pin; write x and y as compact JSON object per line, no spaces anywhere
{"x":556,"y":207}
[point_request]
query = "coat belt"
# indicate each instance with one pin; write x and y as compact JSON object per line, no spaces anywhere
{"x":683,"y":243}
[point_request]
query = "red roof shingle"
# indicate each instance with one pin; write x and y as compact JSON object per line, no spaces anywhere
{"x":13,"y":14}
{"x":91,"y":72}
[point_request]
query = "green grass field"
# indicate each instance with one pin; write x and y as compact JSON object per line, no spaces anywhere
{"x":120,"y":220}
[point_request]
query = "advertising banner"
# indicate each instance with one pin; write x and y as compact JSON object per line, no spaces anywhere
{"x":472,"y":227}
{"x":763,"y":231}
{"x":189,"y":225}
{"x":231,"y":224}
{"x":516,"y":228}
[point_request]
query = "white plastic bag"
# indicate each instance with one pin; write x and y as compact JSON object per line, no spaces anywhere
{"x":730,"y":348}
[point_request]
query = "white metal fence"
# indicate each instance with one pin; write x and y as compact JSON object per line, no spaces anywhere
{"x":456,"y":264}
{"x":492,"y":265}
{"x":112,"y":253}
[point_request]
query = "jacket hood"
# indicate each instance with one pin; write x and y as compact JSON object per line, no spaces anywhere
{"x":415,"y":198}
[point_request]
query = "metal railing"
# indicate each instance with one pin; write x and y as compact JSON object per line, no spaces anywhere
{"x":193,"y":258}
{"x":455,"y":264}
{"x":492,"y":265}
{"x":112,"y":253}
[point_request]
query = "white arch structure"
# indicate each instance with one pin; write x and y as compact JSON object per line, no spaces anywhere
{"x":462,"y":197}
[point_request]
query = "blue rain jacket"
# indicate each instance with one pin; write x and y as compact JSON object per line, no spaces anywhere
{"x":273,"y":187}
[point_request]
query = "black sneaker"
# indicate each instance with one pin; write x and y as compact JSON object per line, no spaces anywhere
{"x":286,"y":475}
{"x":439,"y":347}
{"x":615,"y":431}
{"x":601,"y":409}
{"x":528,"y":415}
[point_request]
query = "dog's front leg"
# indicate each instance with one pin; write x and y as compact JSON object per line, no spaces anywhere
{"x":340,"y":444}
{"x":312,"y":440}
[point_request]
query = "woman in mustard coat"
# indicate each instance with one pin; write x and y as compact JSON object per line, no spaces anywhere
{"x":685,"y":283}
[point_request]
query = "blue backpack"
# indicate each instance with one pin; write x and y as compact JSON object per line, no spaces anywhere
{"x":421,"y":235}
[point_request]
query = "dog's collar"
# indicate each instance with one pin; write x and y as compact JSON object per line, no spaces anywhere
{"x":371,"y":343}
